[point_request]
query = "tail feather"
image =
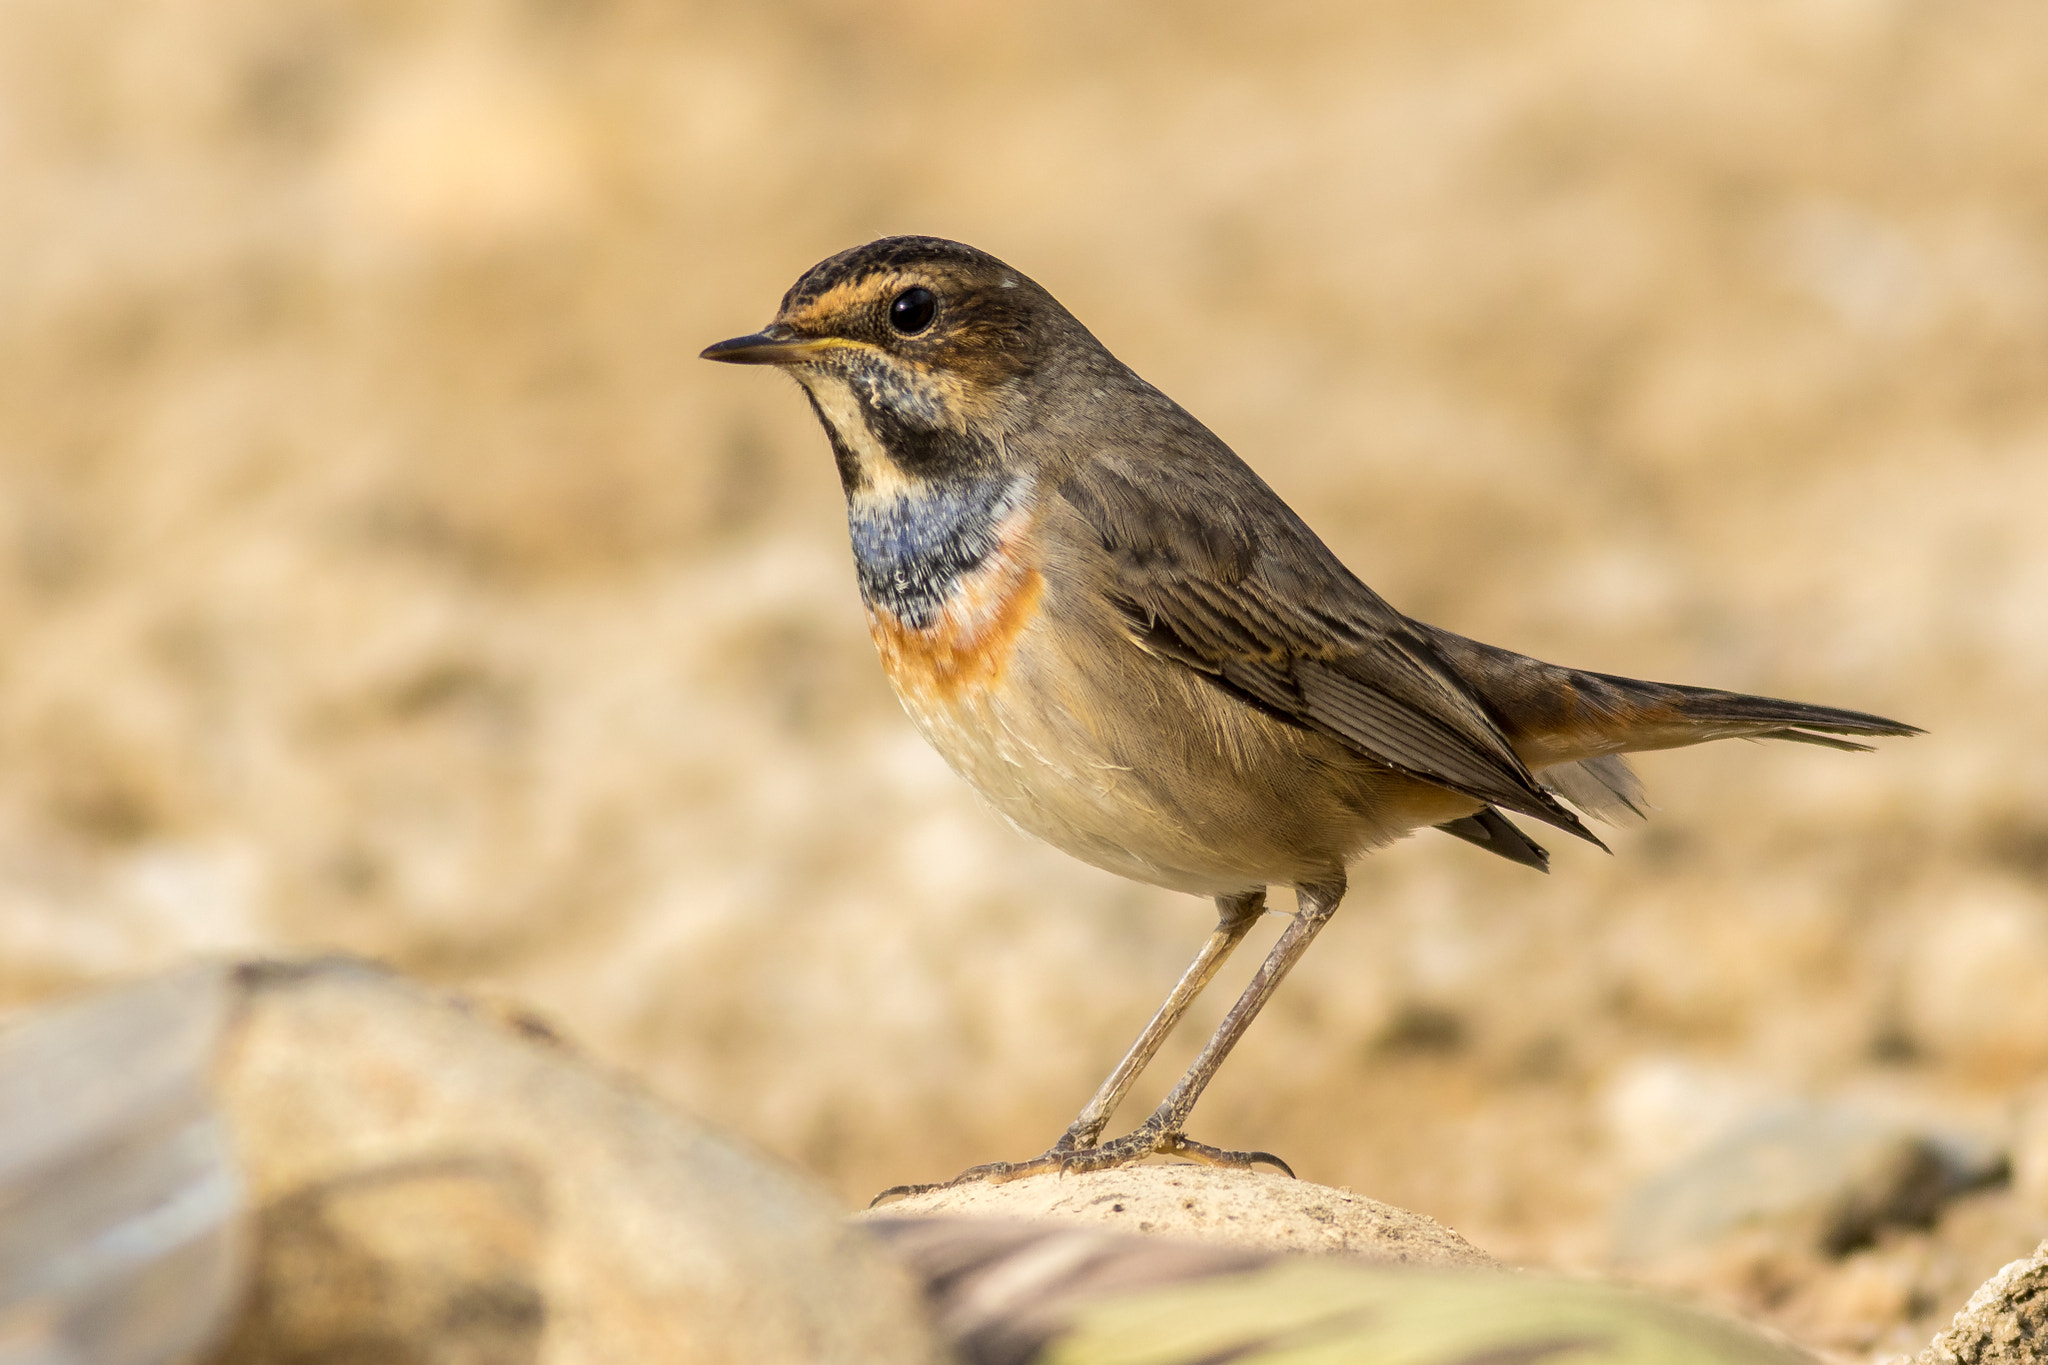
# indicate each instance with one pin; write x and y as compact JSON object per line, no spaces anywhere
{"x":1571,"y":727}
{"x":1496,"y":833}
{"x":1847,"y":746}
{"x":1555,"y":715}
{"x":1676,"y":715}
{"x":1626,"y":715}
{"x":1604,"y":787}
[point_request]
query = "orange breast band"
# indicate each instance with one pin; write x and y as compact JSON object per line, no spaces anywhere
{"x":969,"y":642}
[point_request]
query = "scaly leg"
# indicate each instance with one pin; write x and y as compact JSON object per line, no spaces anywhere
{"x":1162,"y":1132}
{"x":1076,"y":1150}
{"x":1235,"y":915}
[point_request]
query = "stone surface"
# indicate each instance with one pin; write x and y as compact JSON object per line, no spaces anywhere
{"x":1236,"y":1208}
{"x":2004,"y":1323}
{"x":434,"y":1184}
{"x":1008,"y":1291}
{"x":121,"y":1230}
{"x":1816,"y":1177}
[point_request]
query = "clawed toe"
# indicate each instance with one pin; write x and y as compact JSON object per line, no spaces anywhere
{"x":896,"y":1192}
{"x":992,"y":1173}
{"x":1236,"y":1161}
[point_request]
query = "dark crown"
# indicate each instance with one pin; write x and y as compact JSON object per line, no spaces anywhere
{"x":888,"y":254}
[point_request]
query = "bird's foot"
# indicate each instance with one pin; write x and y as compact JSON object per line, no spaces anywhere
{"x":1152,"y":1138}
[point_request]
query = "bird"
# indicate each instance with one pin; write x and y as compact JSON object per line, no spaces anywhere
{"x":1135,"y":650}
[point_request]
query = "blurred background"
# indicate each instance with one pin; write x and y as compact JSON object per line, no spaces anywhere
{"x":381,"y":572}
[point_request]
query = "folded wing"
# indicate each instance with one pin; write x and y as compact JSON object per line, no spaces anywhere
{"x":1212,"y":570}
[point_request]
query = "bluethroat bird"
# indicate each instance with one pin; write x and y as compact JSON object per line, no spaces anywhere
{"x":1126,"y":641}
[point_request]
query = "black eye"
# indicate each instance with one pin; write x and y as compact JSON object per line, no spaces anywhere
{"x":912,"y":311}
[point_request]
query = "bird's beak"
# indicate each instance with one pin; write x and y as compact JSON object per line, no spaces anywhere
{"x":774,"y":345}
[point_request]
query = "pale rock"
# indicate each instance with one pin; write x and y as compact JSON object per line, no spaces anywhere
{"x":2004,"y":1323}
{"x":1243,"y":1209}
{"x":122,"y":1237}
{"x":322,"y":1162}
{"x":1817,"y":1178}
{"x":435,"y":1184}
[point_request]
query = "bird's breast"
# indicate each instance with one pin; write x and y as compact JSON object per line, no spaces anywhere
{"x":950,"y":585}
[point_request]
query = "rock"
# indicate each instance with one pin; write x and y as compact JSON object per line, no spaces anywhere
{"x":1001,"y":1290}
{"x":2004,"y":1323}
{"x":121,"y":1231}
{"x":435,"y":1185}
{"x":1222,"y":1207}
{"x":1822,"y":1178}
{"x":377,"y":1172}
{"x":1015,"y":1293}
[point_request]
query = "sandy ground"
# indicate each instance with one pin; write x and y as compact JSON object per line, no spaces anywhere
{"x":380,"y":571}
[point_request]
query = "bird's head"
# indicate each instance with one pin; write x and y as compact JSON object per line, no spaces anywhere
{"x":918,"y":355}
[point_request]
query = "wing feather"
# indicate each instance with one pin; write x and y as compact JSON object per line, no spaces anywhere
{"x":1209,"y":568}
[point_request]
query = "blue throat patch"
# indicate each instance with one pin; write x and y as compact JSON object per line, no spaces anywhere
{"x":912,"y":551}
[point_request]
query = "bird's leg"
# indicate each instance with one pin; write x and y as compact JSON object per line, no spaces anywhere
{"x":1162,"y":1132}
{"x":1235,"y":916}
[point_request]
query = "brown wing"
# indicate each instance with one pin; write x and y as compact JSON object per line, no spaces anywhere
{"x":1211,"y":569}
